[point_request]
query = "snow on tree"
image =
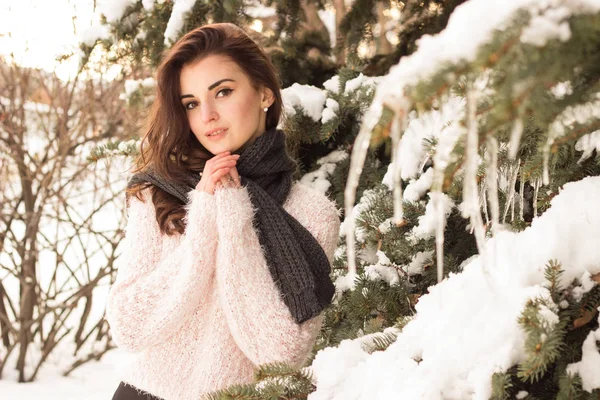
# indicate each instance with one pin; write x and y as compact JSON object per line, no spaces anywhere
{"x":514,"y":130}
{"x":466,"y":265}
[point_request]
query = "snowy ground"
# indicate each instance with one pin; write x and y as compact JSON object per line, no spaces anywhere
{"x":92,"y":381}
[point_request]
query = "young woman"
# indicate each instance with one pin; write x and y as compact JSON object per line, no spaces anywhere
{"x":226,"y":260}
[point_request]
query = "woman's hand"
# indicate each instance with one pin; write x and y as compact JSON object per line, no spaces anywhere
{"x":217,"y":172}
{"x":230,"y":180}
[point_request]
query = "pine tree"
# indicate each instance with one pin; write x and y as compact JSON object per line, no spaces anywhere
{"x":428,"y":163}
{"x":530,"y":104}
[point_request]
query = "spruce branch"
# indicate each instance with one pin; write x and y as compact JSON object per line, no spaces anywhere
{"x":544,"y":340}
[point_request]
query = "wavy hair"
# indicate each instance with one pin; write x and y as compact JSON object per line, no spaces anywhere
{"x":168,"y":145}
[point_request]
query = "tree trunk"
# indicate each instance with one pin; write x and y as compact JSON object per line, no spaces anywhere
{"x":340,"y":50}
{"x":313,"y":20}
{"x":383,"y":45}
{"x":4,"y":327}
{"x":28,"y":255}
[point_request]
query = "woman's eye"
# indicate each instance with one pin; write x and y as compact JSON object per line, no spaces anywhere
{"x":225,"y":92}
{"x":190,"y":105}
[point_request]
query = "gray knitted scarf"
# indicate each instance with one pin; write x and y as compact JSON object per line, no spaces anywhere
{"x":297,"y":262}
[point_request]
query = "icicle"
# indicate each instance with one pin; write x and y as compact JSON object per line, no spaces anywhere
{"x":535,"y":197}
{"x":522,"y":198}
{"x":492,"y":182}
{"x":423,"y":163}
{"x":510,"y":199}
{"x":484,"y":204}
{"x":357,"y":160}
{"x":546,"y":175}
{"x":513,"y":198}
{"x":512,"y":205}
{"x":470,"y":194}
{"x":515,"y":139}
{"x":398,"y":127}
{"x":440,"y":218}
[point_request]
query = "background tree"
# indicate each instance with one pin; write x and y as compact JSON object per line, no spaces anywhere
{"x":60,"y":220}
{"x":437,"y":156}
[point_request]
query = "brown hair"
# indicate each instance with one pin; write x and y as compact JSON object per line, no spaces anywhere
{"x":168,"y":145}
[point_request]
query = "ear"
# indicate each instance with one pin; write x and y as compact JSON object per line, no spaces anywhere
{"x":267,"y":98}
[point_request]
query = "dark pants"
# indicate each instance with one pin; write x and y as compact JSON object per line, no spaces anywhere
{"x":127,"y":392}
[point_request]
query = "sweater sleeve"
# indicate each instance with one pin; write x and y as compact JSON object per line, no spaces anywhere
{"x":260,"y":322}
{"x":156,"y":291}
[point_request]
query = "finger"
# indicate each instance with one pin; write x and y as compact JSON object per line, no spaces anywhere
{"x":235,"y":175}
{"x":225,"y":182}
{"x":222,"y":154}
{"x":218,"y":157}
{"x":214,"y":164}
{"x":217,"y":185}
{"x":217,"y":176}
{"x":224,"y":163}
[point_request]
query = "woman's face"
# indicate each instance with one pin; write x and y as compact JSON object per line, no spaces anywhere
{"x":219,"y":98}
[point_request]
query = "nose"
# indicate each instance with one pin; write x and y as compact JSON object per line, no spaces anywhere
{"x":208,"y":112}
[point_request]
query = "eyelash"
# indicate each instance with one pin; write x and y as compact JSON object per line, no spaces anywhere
{"x":187,"y":105}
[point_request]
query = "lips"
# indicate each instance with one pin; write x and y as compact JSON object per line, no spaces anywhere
{"x":215,"y":134}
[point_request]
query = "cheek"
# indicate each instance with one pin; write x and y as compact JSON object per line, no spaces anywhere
{"x":243,"y":109}
{"x":195,"y":122}
{"x":196,"y":126}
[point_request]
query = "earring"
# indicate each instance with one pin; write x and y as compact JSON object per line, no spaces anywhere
{"x":266,"y":109}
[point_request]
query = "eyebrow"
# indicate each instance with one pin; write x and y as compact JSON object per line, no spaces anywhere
{"x":211,"y":87}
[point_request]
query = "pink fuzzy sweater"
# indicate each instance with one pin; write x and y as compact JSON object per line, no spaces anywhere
{"x":198,"y":312}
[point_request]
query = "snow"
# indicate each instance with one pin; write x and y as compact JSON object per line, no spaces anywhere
{"x":344,"y":282}
{"x":424,"y":364}
{"x":588,"y":144}
{"x":94,"y":33}
{"x":561,"y":89}
{"x":441,"y":124}
{"x":548,"y":316}
{"x":132,"y":85}
{"x":95,"y":380}
{"x":589,"y":366}
{"x":359,"y":81}
{"x":258,"y":10}
{"x":418,"y":262}
{"x":85,"y":197}
{"x":354,"y":84}
{"x":148,"y":5}
{"x":333,"y":84}
{"x":586,"y":285}
{"x":113,"y":10}
{"x":333,"y":157}
{"x":319,"y":179}
{"x":453,"y":346}
{"x":580,"y":114}
{"x":349,"y":355}
{"x":329,"y":113}
{"x":314,"y":101}
{"x":546,"y":26}
{"x":365,"y":203}
{"x":310,"y":98}
{"x":383,"y":270}
{"x":417,"y":188}
{"x":181,"y":8}
{"x":328,"y":18}
{"x":455,"y":44}
{"x":386,"y":226}
{"x":428,"y":221}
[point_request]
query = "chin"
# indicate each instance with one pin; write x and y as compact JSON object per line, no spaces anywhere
{"x":217,"y":149}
